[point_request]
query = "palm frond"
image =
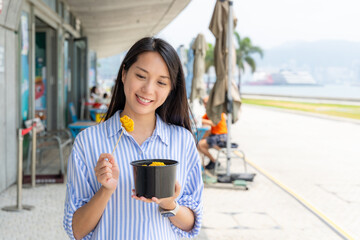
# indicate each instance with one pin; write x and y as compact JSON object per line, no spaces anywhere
{"x":251,"y":62}
{"x":244,"y":52}
{"x":256,"y":49}
{"x":238,"y":38}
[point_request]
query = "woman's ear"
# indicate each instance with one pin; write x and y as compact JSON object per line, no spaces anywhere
{"x":123,"y":75}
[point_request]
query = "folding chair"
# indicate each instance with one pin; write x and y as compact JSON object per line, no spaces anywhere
{"x":222,"y":154}
{"x":49,"y":139}
{"x":200,"y":132}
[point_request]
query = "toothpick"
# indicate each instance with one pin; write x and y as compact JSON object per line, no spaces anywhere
{"x":117,"y":142}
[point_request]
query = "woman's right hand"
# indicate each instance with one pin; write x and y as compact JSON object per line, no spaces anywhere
{"x":107,"y":171}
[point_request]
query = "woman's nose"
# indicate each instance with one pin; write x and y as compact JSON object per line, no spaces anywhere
{"x":148,"y":86}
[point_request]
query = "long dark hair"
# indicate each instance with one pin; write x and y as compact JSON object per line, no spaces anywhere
{"x":175,"y":110}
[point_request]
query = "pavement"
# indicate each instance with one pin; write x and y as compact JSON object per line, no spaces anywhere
{"x":307,"y":185}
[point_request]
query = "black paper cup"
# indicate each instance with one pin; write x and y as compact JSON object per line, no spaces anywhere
{"x":154,"y":181}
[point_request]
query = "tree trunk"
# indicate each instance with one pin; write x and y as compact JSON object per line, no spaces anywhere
{"x":239,"y":80}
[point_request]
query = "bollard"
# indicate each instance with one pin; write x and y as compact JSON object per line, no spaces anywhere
{"x":19,"y":206}
{"x":33,"y":159}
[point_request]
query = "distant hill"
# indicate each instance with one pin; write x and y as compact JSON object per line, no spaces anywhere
{"x":327,"y":53}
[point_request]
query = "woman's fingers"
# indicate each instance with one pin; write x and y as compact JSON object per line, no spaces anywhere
{"x":162,"y":201}
{"x":102,"y":171}
{"x":112,"y":160}
{"x":101,"y":164}
{"x":177,"y":189}
{"x":147,"y":200}
{"x":104,"y":178}
{"x":107,"y":156}
{"x":105,"y":172}
{"x":144,"y":199}
{"x":155,"y":200}
{"x":141,"y":198}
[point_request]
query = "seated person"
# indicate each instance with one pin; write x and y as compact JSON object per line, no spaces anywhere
{"x":94,"y":99}
{"x":106,"y":99}
{"x":216,"y":135}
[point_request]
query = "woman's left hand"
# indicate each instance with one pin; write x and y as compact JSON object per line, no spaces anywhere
{"x":164,"y":203}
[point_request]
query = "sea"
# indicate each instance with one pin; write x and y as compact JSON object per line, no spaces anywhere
{"x":341,"y":92}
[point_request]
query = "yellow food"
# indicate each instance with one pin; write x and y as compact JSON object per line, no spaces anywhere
{"x":144,"y":165}
{"x":127,"y":123}
{"x":157,"y":164}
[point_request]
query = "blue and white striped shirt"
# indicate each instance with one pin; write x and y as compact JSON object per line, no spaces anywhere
{"x":125,"y":217}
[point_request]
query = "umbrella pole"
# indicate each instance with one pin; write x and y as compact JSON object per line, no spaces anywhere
{"x":229,"y":97}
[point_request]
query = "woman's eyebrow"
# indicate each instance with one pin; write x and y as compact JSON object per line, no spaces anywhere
{"x":148,"y":72}
{"x":142,"y":69}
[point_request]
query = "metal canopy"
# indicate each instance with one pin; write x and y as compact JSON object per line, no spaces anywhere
{"x":112,"y":26}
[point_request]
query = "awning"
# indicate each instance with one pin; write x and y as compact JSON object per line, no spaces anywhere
{"x":112,"y":26}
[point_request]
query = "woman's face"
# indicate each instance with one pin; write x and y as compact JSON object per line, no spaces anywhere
{"x":146,"y":84}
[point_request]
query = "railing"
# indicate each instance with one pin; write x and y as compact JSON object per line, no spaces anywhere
{"x":21,"y":133}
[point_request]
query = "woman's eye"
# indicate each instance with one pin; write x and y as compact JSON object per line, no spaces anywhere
{"x":162,"y":83}
{"x":140,"y":76}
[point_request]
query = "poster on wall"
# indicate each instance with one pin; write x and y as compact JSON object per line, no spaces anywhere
{"x":40,"y":86}
{"x":40,"y":77}
{"x":24,"y":66}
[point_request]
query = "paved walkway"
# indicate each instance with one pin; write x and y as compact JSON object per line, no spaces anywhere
{"x":315,"y":158}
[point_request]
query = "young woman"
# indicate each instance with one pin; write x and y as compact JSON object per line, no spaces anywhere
{"x":100,"y":204}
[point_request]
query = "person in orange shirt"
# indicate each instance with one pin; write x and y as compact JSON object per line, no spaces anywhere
{"x":213,"y":138}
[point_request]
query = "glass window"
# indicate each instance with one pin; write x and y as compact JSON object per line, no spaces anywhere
{"x":72,"y":21}
{"x":51,"y":3}
{"x":60,"y":9}
{"x":66,"y":16}
{"x":78,"y":25}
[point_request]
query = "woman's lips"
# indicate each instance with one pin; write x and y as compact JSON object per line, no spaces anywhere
{"x":143,"y":101}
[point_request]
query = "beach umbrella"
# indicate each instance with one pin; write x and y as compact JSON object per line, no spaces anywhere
{"x":198,"y":86}
{"x":222,"y":26}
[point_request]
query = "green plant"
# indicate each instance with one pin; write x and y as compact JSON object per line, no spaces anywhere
{"x":244,"y":54}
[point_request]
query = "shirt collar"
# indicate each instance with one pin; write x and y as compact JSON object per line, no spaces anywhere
{"x":161,"y":129}
{"x":113,"y":124}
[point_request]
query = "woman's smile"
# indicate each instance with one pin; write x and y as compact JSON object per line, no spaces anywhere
{"x":143,"y":101}
{"x":146,"y":85}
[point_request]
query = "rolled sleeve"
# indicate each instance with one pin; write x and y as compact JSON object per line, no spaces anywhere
{"x":78,"y":192}
{"x":192,"y":198}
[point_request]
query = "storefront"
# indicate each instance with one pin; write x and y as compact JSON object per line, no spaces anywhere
{"x":49,"y":68}
{"x":48,"y":52}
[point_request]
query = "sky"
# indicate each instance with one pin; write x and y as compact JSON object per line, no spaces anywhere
{"x":271,"y":23}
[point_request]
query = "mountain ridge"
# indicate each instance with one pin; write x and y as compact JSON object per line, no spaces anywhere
{"x":324,"y":53}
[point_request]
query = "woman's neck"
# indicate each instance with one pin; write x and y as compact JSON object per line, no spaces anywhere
{"x":144,"y":126}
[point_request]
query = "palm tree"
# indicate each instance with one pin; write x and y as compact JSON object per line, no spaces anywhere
{"x":243,"y":54}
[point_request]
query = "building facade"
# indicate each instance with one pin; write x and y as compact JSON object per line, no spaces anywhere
{"x":48,"y":51}
{"x":44,"y":67}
